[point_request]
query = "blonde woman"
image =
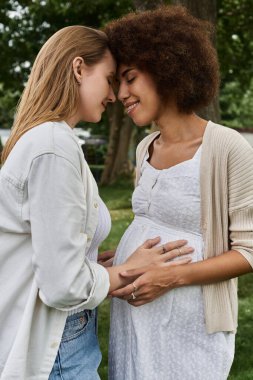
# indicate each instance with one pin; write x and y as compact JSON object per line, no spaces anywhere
{"x":52,"y":219}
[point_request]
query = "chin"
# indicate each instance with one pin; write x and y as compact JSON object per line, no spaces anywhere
{"x":94,"y":118}
{"x":142,"y":123}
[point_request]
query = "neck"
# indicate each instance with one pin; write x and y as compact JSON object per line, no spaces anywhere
{"x":72,"y":121}
{"x":179,"y":127}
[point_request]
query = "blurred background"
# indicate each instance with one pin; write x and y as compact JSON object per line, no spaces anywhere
{"x":109,"y":146}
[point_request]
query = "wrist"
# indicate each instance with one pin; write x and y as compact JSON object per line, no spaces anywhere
{"x":117,"y":281}
{"x":182,"y":275}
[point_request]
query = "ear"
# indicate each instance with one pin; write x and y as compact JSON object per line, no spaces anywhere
{"x":78,"y":66}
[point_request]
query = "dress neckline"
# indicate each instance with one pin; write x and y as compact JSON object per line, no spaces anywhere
{"x":196,"y":154}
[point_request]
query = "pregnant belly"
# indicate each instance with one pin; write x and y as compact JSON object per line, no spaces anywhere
{"x":185,"y":305}
{"x":143,"y":228}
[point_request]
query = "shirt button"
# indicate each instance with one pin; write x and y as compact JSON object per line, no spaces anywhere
{"x":95,"y":205}
{"x":54,"y":345}
{"x":89,"y":238}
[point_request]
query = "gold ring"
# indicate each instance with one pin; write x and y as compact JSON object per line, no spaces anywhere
{"x":135,"y":287}
{"x":180,"y":252}
{"x":133,"y":296}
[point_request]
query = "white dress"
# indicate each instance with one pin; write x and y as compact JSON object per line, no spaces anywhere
{"x":166,"y":339}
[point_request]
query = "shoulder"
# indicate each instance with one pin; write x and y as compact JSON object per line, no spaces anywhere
{"x":48,"y":138}
{"x":228,"y":136}
{"x":226,"y":141}
{"x":144,"y":144}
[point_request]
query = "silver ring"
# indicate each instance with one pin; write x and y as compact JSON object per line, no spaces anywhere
{"x":164,"y":249}
{"x":180,"y":252}
{"x":133,"y":296}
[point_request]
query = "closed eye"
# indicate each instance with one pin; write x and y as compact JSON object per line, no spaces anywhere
{"x":130,"y":80}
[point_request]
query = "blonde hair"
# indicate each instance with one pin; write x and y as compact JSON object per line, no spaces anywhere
{"x":52,"y":92}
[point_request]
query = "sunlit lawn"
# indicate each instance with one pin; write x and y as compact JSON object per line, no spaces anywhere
{"x":118,"y":199}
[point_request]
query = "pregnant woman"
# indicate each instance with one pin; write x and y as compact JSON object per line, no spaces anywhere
{"x":194,"y":181}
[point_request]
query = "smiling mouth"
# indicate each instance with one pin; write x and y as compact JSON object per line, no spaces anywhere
{"x":130,"y":108}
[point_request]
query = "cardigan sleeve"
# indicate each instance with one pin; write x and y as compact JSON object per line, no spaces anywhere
{"x":65,"y":277}
{"x":240,"y":195}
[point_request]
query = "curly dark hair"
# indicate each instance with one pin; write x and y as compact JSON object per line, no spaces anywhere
{"x":172,"y":46}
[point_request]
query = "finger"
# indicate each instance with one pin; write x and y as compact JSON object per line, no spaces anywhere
{"x":123,"y":292}
{"x":177,"y":252}
{"x":178,"y":262}
{"x":174,"y":244}
{"x":151,"y":242}
{"x":134,"y":273}
{"x":106,"y":255}
{"x":107,"y":263}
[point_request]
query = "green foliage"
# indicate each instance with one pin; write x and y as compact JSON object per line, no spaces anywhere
{"x":26,"y":25}
{"x":119,"y":195}
{"x":8,"y":101}
{"x":235,"y":49}
{"x":237,"y":105}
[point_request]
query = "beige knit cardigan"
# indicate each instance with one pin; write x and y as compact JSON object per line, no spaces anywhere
{"x":226,"y":187}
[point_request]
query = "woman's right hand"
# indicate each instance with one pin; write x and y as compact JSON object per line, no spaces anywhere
{"x":146,"y":256}
{"x":151,"y":254}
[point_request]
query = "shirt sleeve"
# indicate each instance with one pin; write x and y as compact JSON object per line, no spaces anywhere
{"x":65,"y":277}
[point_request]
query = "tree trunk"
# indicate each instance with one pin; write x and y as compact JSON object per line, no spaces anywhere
{"x":205,"y":10}
{"x":122,"y":165}
{"x":115,"y":113}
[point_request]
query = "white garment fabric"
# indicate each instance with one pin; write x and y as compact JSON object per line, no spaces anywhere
{"x":101,"y":233}
{"x":48,"y":217}
{"x":102,"y":230}
{"x":166,"y":339}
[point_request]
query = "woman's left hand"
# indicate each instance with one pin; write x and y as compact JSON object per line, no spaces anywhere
{"x":150,"y":283}
{"x":106,"y":258}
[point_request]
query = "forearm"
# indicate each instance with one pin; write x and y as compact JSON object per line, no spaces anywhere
{"x":117,"y":281}
{"x":216,"y":269}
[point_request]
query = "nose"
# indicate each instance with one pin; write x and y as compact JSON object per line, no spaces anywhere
{"x":111,"y":96}
{"x":123,"y":92}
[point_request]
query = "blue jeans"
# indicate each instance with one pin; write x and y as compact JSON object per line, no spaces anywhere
{"x":79,"y":355}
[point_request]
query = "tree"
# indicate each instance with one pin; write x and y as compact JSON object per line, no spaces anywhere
{"x":25,"y":26}
{"x":206,"y":10}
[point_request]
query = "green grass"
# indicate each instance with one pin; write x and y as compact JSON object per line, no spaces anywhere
{"x":118,"y":199}
{"x":242,"y":368}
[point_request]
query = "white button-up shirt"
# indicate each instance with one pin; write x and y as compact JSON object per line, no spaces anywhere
{"x":48,"y":209}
